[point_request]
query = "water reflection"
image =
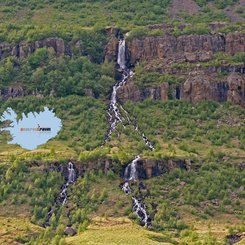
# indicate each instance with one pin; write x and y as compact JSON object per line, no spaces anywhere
{"x":26,"y":131}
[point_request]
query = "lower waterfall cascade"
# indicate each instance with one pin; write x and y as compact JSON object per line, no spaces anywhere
{"x":139,"y":208}
{"x":62,"y":198}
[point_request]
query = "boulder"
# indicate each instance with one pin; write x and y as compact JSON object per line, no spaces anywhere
{"x":69,"y":231}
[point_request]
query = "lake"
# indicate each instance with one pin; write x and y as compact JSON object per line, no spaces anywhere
{"x":33,"y":129}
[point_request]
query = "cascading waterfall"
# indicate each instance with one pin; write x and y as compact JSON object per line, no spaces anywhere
{"x":71,"y":178}
{"x":71,"y":171}
{"x":62,"y":197}
{"x":131,"y":171}
{"x":115,"y":117}
{"x":121,"y":58}
{"x":139,"y":208}
{"x":114,"y":113}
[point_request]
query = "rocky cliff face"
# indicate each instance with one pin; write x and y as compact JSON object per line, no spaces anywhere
{"x":200,"y":87}
{"x":236,"y":92}
{"x":11,"y":92}
{"x":24,"y":49}
{"x":193,"y":48}
{"x":147,"y":168}
{"x":198,"y":82}
{"x":159,"y":54}
{"x":131,"y":92}
{"x":197,"y":87}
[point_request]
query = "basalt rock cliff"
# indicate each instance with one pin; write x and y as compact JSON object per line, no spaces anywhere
{"x":146,"y":168}
{"x":160,"y":54}
{"x":201,"y":79}
{"x":24,"y":49}
{"x":190,"y":47}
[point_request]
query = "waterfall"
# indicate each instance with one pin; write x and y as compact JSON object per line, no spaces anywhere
{"x":114,"y":113}
{"x":131,"y":170}
{"x":139,"y":208}
{"x":122,"y":54}
{"x":62,"y":197}
{"x":71,"y":173}
{"x":71,"y":178}
{"x":115,"y":117}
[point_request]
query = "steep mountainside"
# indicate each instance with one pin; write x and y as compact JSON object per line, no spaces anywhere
{"x":151,"y":100}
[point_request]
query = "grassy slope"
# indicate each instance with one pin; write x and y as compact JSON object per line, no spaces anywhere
{"x":117,"y":231}
{"x":177,"y":129}
{"x":165,"y":133}
{"x":14,"y":229}
{"x":181,"y":128}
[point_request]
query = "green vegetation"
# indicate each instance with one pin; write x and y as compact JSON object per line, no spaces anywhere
{"x":211,"y":190}
{"x":219,"y":59}
{"x":140,"y":32}
{"x":182,"y":203}
{"x":36,"y":188}
{"x":34,"y":20}
{"x":84,"y":121}
{"x":85,"y":13}
{"x":219,"y":3}
{"x":144,"y":79}
{"x":171,"y":200}
{"x":177,"y":128}
{"x":179,"y":125}
{"x":45,"y":73}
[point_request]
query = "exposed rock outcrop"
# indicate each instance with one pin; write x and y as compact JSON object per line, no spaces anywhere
{"x":70,"y":231}
{"x":131,"y":92}
{"x":25,"y":49}
{"x":148,"y":168}
{"x":235,"y":42}
{"x":17,"y":91}
{"x":193,"y":47}
{"x":236,"y":92}
{"x":12,"y":92}
{"x":112,"y":45}
{"x":201,"y":87}
{"x":199,"y":82}
{"x":235,"y":238}
{"x":197,"y":87}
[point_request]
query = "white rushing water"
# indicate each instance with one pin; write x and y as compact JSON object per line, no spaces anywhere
{"x":62,"y":197}
{"x":121,"y":57}
{"x":115,"y":117}
{"x":71,"y":173}
{"x":139,"y":207}
{"x":71,"y":178}
{"x":131,"y":173}
{"x":114,"y":113}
